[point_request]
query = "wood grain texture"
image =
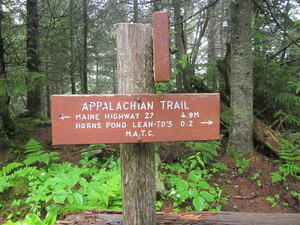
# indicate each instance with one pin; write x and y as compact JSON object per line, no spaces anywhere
{"x":135,"y":76}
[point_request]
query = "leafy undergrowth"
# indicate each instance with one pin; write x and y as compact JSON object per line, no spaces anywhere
{"x":255,"y":183}
{"x":40,"y":179}
{"x":41,"y":184}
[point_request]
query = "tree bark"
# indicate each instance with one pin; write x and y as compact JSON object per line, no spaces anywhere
{"x":7,"y":122}
{"x":72,"y":63}
{"x":135,"y":73}
{"x":135,"y":11}
{"x":85,"y":48}
{"x":241,"y":109}
{"x":266,"y":136}
{"x":34,"y":100}
{"x":211,"y":54}
{"x":179,"y":43}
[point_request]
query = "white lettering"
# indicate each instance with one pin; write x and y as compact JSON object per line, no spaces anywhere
{"x":173,"y":105}
{"x":112,"y":106}
{"x":115,"y":125}
{"x":116,"y":116}
{"x":87,"y":117}
{"x":84,"y":107}
{"x":88,"y":125}
{"x":141,"y":133}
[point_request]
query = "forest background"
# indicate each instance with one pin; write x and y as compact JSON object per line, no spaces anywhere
{"x":69,"y":47}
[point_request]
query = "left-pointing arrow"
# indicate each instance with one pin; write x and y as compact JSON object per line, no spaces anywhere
{"x":62,"y":117}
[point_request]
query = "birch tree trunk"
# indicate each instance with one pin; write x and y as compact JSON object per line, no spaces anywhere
{"x":241,"y":110}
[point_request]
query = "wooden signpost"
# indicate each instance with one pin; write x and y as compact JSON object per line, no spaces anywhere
{"x":136,"y":117}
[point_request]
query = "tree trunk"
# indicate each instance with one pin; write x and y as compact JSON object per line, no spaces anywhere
{"x":241,"y":109}
{"x":34,"y":100}
{"x":135,"y":11}
{"x":211,"y":54}
{"x":85,"y":48}
{"x":7,"y":122}
{"x":72,"y":63}
{"x":179,"y":43}
{"x":135,"y":73}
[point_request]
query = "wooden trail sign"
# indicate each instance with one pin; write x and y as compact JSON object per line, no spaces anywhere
{"x":161,"y":51}
{"x":91,"y":119}
{"x":135,"y":118}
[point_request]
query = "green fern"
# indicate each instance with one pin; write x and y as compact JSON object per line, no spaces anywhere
{"x":290,"y":157}
{"x":36,"y":153}
{"x":289,"y":151}
{"x":206,"y":150}
{"x":9,"y":168}
{"x":4,"y":183}
{"x":33,"y":146}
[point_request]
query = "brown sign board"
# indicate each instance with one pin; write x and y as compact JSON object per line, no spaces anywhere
{"x":95,"y":119}
{"x":161,"y":51}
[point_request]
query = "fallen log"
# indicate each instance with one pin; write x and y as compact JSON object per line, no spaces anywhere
{"x":102,"y":217}
{"x":266,"y":136}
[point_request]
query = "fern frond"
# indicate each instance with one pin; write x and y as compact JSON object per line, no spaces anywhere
{"x":290,"y":168}
{"x":33,"y":146}
{"x":9,"y":168}
{"x":36,"y":153}
{"x":4,"y":183}
{"x":290,"y":155}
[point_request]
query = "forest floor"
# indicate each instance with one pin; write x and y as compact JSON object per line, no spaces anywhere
{"x":244,"y":193}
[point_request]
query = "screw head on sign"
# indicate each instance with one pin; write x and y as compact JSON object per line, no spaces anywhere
{"x":139,"y":139}
{"x":138,"y":99}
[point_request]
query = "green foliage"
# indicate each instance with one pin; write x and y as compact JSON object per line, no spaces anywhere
{"x":184,"y":61}
{"x":254,"y":177}
{"x":242,"y":165}
{"x":33,"y":219}
{"x":36,"y":154}
{"x":195,"y":188}
{"x":220,"y":166}
{"x":289,"y":157}
{"x":278,"y":86}
{"x":9,"y":168}
{"x":164,"y":87}
{"x":205,"y":151}
{"x":273,"y":200}
{"x":37,"y":121}
{"x":19,"y":82}
{"x":60,"y":186}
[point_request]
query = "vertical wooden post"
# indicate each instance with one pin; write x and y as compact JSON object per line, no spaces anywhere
{"x":135,"y":76}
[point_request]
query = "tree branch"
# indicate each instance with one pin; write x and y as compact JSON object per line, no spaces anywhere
{"x":199,"y":11}
{"x":285,"y":47}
